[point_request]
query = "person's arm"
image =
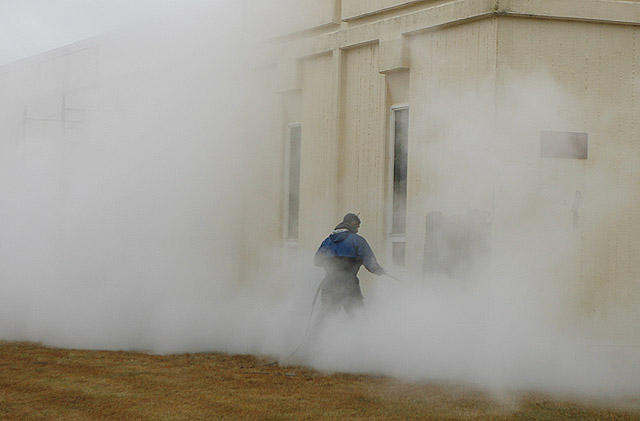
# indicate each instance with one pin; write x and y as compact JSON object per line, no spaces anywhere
{"x":368,"y":258}
{"x":320,"y":257}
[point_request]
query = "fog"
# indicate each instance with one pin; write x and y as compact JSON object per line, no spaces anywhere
{"x":518,"y":319}
{"x":29,"y":27}
{"x":147,"y":227}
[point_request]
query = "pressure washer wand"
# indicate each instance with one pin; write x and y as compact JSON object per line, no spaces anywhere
{"x":396,"y":279}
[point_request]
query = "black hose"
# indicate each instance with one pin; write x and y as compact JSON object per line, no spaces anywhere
{"x":306,"y":332}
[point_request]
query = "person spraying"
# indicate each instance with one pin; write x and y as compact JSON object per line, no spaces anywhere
{"x":341,"y":254}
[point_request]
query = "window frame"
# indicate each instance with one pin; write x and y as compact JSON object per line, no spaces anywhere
{"x":288,"y":240}
{"x":392,"y":237}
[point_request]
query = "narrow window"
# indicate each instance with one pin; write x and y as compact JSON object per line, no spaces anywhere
{"x":401,"y":131}
{"x":293,"y":208}
{"x":399,"y":141}
{"x":397,"y":253}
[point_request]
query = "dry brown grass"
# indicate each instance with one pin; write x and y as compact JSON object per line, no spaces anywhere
{"x":40,"y":383}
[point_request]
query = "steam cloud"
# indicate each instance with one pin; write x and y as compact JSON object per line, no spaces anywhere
{"x":135,"y":235}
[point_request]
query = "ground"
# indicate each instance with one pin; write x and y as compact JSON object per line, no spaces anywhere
{"x":41,"y":383}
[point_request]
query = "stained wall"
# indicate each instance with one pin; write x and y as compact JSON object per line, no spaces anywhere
{"x":451,"y":99}
{"x":484,"y":80}
{"x":574,"y":77}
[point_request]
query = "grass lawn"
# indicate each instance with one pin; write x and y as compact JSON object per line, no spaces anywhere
{"x":41,"y":383}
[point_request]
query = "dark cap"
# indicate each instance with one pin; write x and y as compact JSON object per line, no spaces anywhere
{"x":351,"y":219}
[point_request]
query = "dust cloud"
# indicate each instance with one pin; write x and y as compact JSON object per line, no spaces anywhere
{"x":519,"y":317}
{"x":141,"y":230}
{"x":121,"y":226}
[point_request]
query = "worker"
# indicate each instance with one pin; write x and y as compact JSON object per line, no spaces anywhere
{"x":341,"y":255}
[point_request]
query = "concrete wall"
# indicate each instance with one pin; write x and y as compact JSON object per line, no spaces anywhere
{"x":344,"y":146}
{"x":352,"y":9}
{"x":484,"y":80}
{"x":291,"y":16}
{"x":578,"y":77}
{"x":362,"y":143}
{"x":305,"y":14}
{"x":319,"y":158}
{"x":451,"y":99}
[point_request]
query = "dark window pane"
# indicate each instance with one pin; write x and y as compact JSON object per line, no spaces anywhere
{"x":401,"y":136}
{"x":397,"y":254}
{"x":294,"y":181}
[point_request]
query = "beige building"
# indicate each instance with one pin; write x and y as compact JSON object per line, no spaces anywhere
{"x":473,"y":136}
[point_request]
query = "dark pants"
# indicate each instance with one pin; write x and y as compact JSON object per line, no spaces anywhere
{"x":339,"y":291}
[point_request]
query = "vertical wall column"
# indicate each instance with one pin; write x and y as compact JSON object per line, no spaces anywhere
{"x":318,"y":149}
{"x":336,"y":122}
{"x":362,"y":148}
{"x":337,"y":11}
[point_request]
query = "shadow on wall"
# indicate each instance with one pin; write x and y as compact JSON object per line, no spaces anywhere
{"x":456,"y":247}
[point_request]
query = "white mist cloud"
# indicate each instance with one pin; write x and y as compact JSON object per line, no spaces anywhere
{"x":489,"y":334}
{"x":137,"y":235}
{"x":520,"y":323}
{"x":28,"y":27}
{"x":123,"y":224}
